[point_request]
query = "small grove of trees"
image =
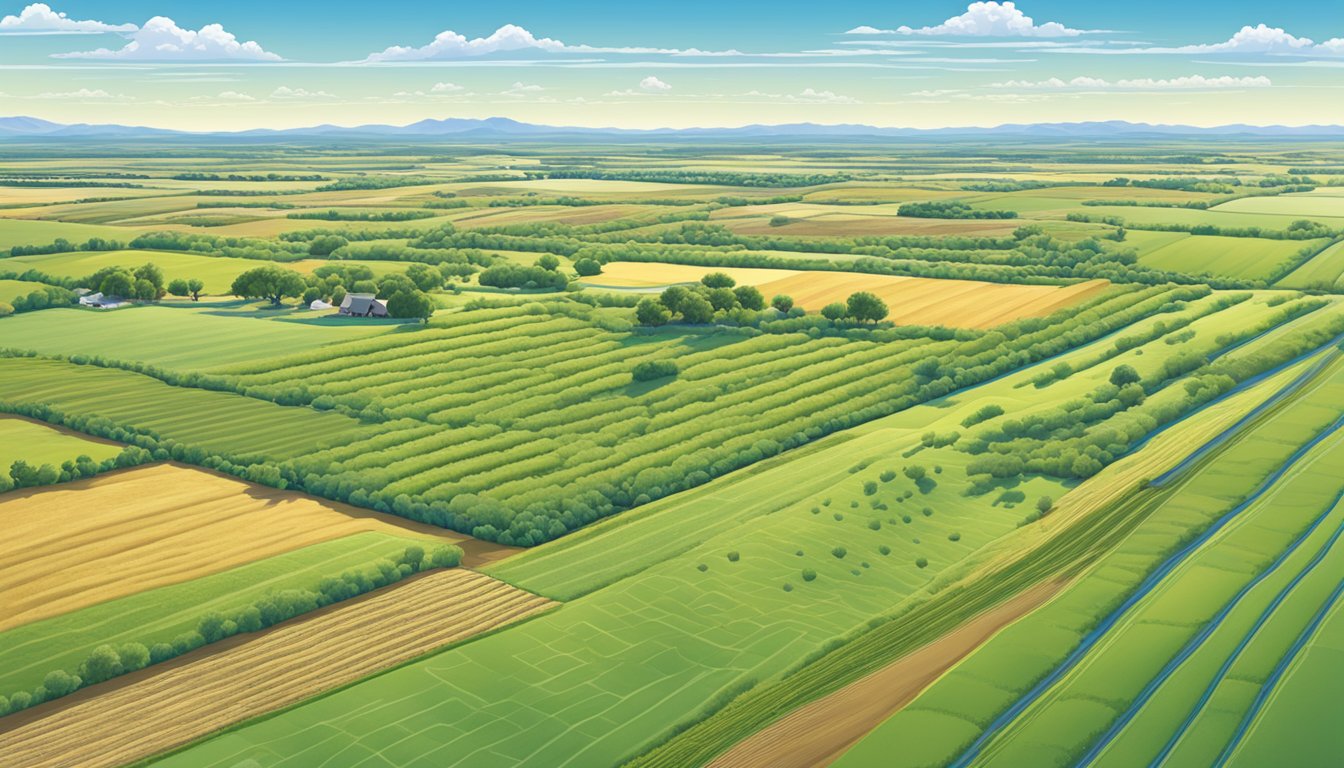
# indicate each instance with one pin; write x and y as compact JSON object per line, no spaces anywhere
{"x":863,"y":307}
{"x":187,"y":287}
{"x":43,"y":297}
{"x":717,"y":296}
{"x":106,"y":662}
{"x":545,"y":274}
{"x":269,"y":282}
{"x":24,"y":475}
{"x":145,"y":283}
{"x":411,"y":304}
{"x":950,"y":209}
{"x":654,"y":369}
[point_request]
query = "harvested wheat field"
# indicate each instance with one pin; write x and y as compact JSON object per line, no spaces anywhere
{"x":932,"y":301}
{"x":168,"y":705}
{"x":816,"y":734}
{"x":637,"y":274}
{"x":73,"y":545}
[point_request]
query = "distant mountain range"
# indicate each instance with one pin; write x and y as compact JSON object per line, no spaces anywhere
{"x":502,"y":128}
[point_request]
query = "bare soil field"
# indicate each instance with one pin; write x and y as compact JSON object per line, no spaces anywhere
{"x":76,"y":544}
{"x":817,"y":734}
{"x":168,"y":705}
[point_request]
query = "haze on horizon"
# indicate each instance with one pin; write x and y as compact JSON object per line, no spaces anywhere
{"x":935,"y":64}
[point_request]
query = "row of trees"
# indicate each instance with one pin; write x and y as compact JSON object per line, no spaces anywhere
{"x":405,"y":296}
{"x":25,"y":475}
{"x":106,"y":661}
{"x":716,"y":297}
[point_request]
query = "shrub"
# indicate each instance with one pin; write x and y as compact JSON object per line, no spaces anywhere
{"x":921,"y":562}
{"x":839,"y":552}
{"x":809,"y":574}
{"x":734,"y":556}
{"x":654,"y":369}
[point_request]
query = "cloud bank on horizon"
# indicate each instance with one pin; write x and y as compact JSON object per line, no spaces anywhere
{"x":992,"y":51}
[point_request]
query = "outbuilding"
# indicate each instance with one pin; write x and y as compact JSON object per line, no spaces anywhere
{"x":363,"y":305}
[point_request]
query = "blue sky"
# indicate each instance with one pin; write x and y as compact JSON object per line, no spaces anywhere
{"x":249,"y":64}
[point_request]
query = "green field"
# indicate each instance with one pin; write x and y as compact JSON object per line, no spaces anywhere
{"x":40,"y":444}
{"x":159,"y":615}
{"x":1247,"y":258}
{"x":1323,"y":271}
{"x":183,"y":337}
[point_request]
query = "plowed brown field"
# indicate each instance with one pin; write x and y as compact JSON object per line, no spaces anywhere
{"x":73,"y":545}
{"x":165,"y":706}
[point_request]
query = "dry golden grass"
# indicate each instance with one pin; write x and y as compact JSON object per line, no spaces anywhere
{"x":166,"y":706}
{"x":78,"y":544}
{"x":632,"y":274}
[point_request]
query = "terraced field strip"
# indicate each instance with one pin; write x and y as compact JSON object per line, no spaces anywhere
{"x":81,"y":543}
{"x":164,"y":707}
{"x":816,"y":734}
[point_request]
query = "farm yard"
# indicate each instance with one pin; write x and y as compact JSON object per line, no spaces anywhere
{"x":670,"y":455}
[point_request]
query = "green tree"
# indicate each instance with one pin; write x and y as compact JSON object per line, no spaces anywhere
{"x":697,"y":309}
{"x":548,"y":262}
{"x":144,"y":290}
{"x":178,"y":287}
{"x":325,"y":245}
{"x":151,"y":274}
{"x":58,"y":683}
{"x":104,"y":663}
{"x":588,"y":267}
{"x":1124,"y":374}
{"x":425,"y":277}
{"x":1044,"y":504}
{"x":834,"y":311}
{"x":269,"y":282}
{"x":749,"y":297}
{"x":782,"y":303}
{"x":674,"y":297}
{"x":409,"y":304}
{"x":196,"y":285}
{"x":718,"y":280}
{"x":866,"y":307}
{"x":650,"y":312}
{"x":118,"y":283}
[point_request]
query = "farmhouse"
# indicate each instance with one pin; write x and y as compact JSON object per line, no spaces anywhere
{"x":363,"y":305}
{"x":99,"y":301}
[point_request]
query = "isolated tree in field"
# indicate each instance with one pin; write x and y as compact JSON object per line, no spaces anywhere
{"x":588,"y":267}
{"x":718,"y":280}
{"x":834,"y":312}
{"x":178,"y":287}
{"x":866,"y":307}
{"x":650,"y":312}
{"x":1044,"y":504}
{"x":195,"y":285}
{"x":269,"y":282}
{"x":411,"y":304}
{"x":782,"y":303}
{"x":118,"y":283}
{"x":548,"y":262}
{"x":1124,"y":374}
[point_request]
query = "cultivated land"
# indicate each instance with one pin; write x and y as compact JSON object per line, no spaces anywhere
{"x":112,"y":536}
{"x":1051,"y":487}
{"x":159,"y":709}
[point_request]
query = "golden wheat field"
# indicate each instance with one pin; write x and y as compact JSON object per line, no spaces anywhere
{"x":82,"y":543}
{"x":911,"y":300}
{"x":168,"y":705}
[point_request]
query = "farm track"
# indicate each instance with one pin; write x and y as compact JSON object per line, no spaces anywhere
{"x":166,"y":706}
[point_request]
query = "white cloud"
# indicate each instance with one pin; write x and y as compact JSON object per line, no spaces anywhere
{"x":1261,"y":39}
{"x":234,"y":96}
{"x":445,"y":88}
{"x":162,"y":40}
{"x":40,"y":19}
{"x":79,"y":95}
{"x":652,"y":83}
{"x":806,"y":96}
{"x":983,"y":19}
{"x":285,"y":92}
{"x":1189,"y":82}
{"x":520,"y":89}
{"x":452,"y":46}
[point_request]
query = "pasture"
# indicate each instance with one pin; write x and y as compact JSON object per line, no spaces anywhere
{"x":1323,"y":271}
{"x":1248,"y":258}
{"x":38,"y":443}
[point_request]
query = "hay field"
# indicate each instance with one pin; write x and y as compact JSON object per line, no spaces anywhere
{"x":164,"y":707}
{"x":38,"y":443}
{"x":912,"y":300}
{"x":13,"y":289}
{"x":82,"y":543}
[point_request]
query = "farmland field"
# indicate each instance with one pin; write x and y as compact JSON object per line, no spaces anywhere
{"x":669,"y":452}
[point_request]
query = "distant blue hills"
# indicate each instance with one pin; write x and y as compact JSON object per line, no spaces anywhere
{"x":502,"y":128}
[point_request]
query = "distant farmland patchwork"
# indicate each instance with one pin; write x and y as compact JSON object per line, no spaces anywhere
{"x":669,"y":454}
